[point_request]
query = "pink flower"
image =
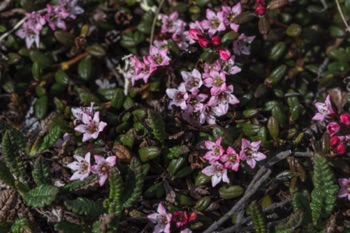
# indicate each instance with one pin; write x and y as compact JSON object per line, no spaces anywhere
{"x":102,"y":167}
{"x":55,"y":16}
{"x":224,"y":97}
{"x":193,"y":80}
{"x":30,"y":36}
{"x":250,"y":153}
{"x":224,"y":54}
{"x":216,"y":80}
{"x":91,"y":127}
{"x":180,"y":218}
{"x":161,"y":44}
{"x":81,"y":166}
{"x":134,"y":70}
{"x":230,"y":14}
{"x":217,"y":172}
{"x":169,"y":23}
{"x":228,"y":67}
{"x":71,"y":7}
{"x":178,"y":96}
{"x":325,"y":110}
{"x":78,"y":112}
{"x":34,"y":21}
{"x":333,"y":128}
{"x":215,"y":22}
{"x":230,"y":159}
{"x":345,"y":118}
{"x":158,"y":57}
{"x":195,"y":34}
{"x":240,"y":44}
{"x":146,"y":68}
{"x":344,"y":188}
{"x":162,"y":220}
{"x":215,"y":150}
{"x":204,"y":43}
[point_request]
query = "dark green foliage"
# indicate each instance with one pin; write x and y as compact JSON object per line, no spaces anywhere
{"x":41,"y":171}
{"x":301,"y":203}
{"x":258,"y":217}
{"x":21,"y":225}
{"x":68,"y":227}
{"x":11,"y":143}
{"x":6,"y":176}
{"x":156,"y":123}
{"x":78,"y":184}
{"x":41,"y":196}
{"x":295,"y":220}
{"x":135,"y":178}
{"x":83,"y":206}
{"x":115,"y":190}
{"x":323,"y":196}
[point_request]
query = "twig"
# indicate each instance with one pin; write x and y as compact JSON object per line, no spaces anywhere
{"x":260,"y":177}
{"x":302,"y":154}
{"x":342,"y":16}
{"x":155,"y":21}
{"x":247,"y":219}
{"x":239,"y":204}
{"x":6,"y":34}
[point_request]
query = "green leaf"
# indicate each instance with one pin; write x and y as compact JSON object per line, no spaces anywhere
{"x":86,"y":96}
{"x":41,"y":172}
{"x":61,"y":77}
{"x":21,"y":225}
{"x":68,"y":227}
{"x":115,"y":191}
{"x":42,"y":60}
{"x":6,"y":176}
{"x":83,"y":206}
{"x":51,"y":138}
{"x":11,"y":143}
{"x":134,"y":180}
{"x":323,"y":197}
{"x":258,"y":218}
{"x":130,"y":40}
{"x":78,"y":184}
{"x":41,"y":196}
{"x":145,"y":25}
{"x":96,"y":50}
{"x":85,"y":68}
{"x":41,"y":106}
{"x":157,"y":125}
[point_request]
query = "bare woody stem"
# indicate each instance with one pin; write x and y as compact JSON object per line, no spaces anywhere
{"x":342,"y":16}
{"x":260,"y":177}
{"x":66,"y":64}
{"x":155,"y":21}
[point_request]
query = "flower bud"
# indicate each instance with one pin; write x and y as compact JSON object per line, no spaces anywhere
{"x":333,"y":128}
{"x":260,"y":10}
{"x":334,"y":141}
{"x":216,"y":40}
{"x":345,"y":118}
{"x":204,"y":43}
{"x":341,"y":149}
{"x":224,"y":54}
{"x":195,"y":34}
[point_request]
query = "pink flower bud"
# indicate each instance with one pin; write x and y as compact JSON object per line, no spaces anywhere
{"x":345,"y":118}
{"x":260,"y":10}
{"x":216,"y":40}
{"x":204,"y":43}
{"x":195,"y":34}
{"x":333,"y":128}
{"x":341,"y":149}
{"x":259,"y":2}
{"x":334,"y":141}
{"x":224,"y":54}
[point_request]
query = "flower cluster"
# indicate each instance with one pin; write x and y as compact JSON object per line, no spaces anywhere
{"x":54,"y":16}
{"x":344,"y":188}
{"x":338,"y":126}
{"x":162,"y":219}
{"x":88,"y":122}
{"x":222,"y":160}
{"x":191,"y":95}
{"x":82,"y":167}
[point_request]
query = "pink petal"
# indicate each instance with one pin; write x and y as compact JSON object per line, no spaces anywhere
{"x":343,"y":182}
{"x":111,"y":160}
{"x":258,"y":156}
{"x":76,"y":176}
{"x":251,"y":163}
{"x":215,"y":180}
{"x":102,"y":179}
{"x":86,"y":137}
{"x":87,"y":157}
{"x":81,"y":128}
{"x":97,"y":117}
{"x":210,"y":14}
{"x":161,"y":210}
{"x":343,"y":192}
{"x":99,"y":159}
{"x":74,"y":166}
{"x":153,"y":217}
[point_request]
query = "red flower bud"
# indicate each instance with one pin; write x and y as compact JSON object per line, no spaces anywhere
{"x":216,"y":40}
{"x":333,"y":128}
{"x":341,"y":149}
{"x":192,"y":217}
{"x":204,"y":43}
{"x":260,"y":10}
{"x":334,"y":141}
{"x":195,"y":34}
{"x":224,"y":54}
{"x":345,"y":118}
